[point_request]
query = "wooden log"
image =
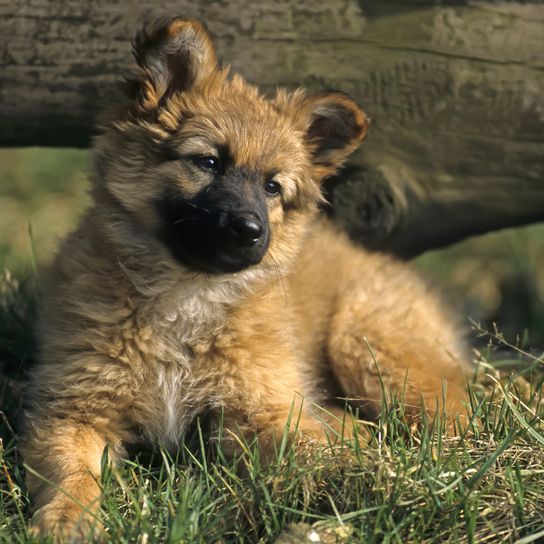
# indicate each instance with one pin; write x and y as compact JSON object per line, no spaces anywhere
{"x":455,"y":95}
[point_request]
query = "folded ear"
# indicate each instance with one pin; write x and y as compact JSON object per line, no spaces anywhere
{"x":173,"y":56}
{"x":333,"y":123}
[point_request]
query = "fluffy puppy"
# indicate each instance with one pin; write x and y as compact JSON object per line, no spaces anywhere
{"x":203,"y":280}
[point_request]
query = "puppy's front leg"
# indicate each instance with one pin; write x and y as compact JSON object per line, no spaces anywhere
{"x":63,"y":477}
{"x":269,"y":425}
{"x":263,"y":395}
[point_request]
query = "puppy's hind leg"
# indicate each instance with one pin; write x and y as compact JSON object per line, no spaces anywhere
{"x":399,"y":340}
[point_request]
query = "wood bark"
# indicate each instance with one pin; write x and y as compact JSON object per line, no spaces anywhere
{"x":455,"y":94}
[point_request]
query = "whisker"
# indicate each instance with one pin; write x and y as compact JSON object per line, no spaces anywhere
{"x":188,"y":218}
{"x":280,"y":272}
{"x":181,"y":220}
{"x":197,"y":207}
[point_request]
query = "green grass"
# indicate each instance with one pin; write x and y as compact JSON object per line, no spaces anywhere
{"x":497,"y":278}
{"x":405,"y":485}
{"x":42,"y":187}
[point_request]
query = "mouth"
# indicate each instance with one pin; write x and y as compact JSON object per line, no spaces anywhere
{"x":211,"y":259}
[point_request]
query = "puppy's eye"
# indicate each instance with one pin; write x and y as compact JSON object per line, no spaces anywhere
{"x":207,"y":163}
{"x":272,"y":188}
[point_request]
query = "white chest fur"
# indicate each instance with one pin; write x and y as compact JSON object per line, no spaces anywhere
{"x":174,"y":406}
{"x":193,"y":312}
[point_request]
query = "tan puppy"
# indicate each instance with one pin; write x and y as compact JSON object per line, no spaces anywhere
{"x":202,"y":280}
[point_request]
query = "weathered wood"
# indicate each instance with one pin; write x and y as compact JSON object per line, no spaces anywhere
{"x":455,"y":94}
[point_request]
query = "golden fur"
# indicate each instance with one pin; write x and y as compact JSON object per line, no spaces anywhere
{"x":134,"y":345}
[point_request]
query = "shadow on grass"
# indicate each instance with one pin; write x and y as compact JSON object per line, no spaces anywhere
{"x":18,"y":301}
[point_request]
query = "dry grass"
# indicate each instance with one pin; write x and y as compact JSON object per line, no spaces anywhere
{"x":404,"y":486}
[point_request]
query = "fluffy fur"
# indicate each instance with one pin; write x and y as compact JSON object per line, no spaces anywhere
{"x":137,"y":338}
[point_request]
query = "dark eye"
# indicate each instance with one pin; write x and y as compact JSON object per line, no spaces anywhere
{"x":207,"y":163}
{"x":272,"y":188}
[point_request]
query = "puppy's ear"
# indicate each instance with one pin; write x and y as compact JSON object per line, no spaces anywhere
{"x":173,"y":55}
{"x":333,"y":123}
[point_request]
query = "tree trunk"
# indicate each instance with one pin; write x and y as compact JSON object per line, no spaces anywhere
{"x":455,"y":95}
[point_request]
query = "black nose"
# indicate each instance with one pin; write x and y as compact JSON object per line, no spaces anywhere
{"x":245,"y":230}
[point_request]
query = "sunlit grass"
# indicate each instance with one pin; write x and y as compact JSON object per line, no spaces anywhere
{"x":43,"y":190}
{"x":404,"y":485}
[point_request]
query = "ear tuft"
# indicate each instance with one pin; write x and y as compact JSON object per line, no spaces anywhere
{"x":334,"y":125}
{"x":336,"y":122}
{"x":173,"y":55}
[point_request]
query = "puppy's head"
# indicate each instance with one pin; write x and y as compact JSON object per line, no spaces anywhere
{"x":209,"y":170}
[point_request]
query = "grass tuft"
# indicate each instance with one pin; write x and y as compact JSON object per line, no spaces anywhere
{"x":405,"y":485}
